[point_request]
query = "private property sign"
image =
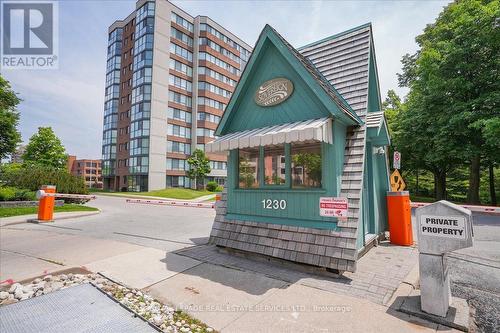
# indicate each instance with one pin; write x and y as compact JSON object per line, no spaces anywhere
{"x":441,"y":226}
{"x":333,"y":207}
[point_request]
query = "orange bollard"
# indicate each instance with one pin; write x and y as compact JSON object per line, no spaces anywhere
{"x":399,"y":215}
{"x":46,"y":204}
{"x":218,"y":197}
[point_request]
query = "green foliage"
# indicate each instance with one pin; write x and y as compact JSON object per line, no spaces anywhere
{"x":454,"y":82}
{"x":33,"y":177}
{"x":212,"y":186}
{"x":311,"y":163}
{"x":199,"y":166}
{"x":9,"y":193}
{"x":9,"y":119}
{"x":246,"y":173}
{"x":45,"y":149}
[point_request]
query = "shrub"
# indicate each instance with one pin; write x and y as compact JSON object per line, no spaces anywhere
{"x":33,"y":177}
{"x":9,"y":193}
{"x":212,"y":186}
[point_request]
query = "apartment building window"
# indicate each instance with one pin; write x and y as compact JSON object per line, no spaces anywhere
{"x":179,"y":131}
{"x":182,"y":22}
{"x":110,"y":121}
{"x":177,"y":164}
{"x":141,"y":93}
{"x":181,"y":52}
{"x":180,"y":67}
{"x":214,"y":89}
{"x":216,"y":75}
{"x":218,"y":165}
{"x":174,"y":113}
{"x":145,"y":26}
{"x":216,"y":47}
{"x":109,"y":137}
{"x":139,"y":111}
{"x":211,"y":103}
{"x":139,"y":146}
{"x":139,"y":128}
{"x":179,"y":98}
{"x":221,"y":36}
{"x":147,"y":10}
{"x":205,"y":132}
{"x":216,"y":61}
{"x":138,"y":164}
{"x":178,"y":181}
{"x":180,"y":83}
{"x":143,"y":59}
{"x":178,"y":147}
{"x":181,"y":36}
{"x":141,"y":76}
{"x":200,"y":146}
{"x":208,"y":117}
{"x":109,"y":152}
{"x":142,"y":43}
{"x":113,"y":78}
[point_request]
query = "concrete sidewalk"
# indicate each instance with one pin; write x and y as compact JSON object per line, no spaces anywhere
{"x":231,"y":294}
{"x":4,"y":221}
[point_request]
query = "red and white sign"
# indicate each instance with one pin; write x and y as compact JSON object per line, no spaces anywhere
{"x":335,"y":207}
{"x":396,"y":163}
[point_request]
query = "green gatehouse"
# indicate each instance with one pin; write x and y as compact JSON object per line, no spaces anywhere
{"x":307,"y":152}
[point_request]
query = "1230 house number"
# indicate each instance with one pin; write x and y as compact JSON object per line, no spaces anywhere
{"x":274,"y":204}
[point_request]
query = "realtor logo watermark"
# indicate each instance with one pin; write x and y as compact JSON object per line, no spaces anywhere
{"x":30,"y":35}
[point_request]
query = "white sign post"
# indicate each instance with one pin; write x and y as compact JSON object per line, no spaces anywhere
{"x":334,"y":207}
{"x":442,"y":227}
{"x":396,"y":162}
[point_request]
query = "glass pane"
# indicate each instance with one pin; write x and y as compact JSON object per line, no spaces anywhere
{"x":248,"y":168}
{"x":274,"y":165}
{"x":306,"y":165}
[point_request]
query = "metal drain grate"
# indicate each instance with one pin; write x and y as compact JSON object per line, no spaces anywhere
{"x":81,"y":308}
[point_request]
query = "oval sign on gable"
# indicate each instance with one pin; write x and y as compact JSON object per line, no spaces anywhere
{"x":273,"y":92}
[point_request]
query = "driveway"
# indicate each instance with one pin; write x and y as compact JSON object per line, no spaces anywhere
{"x":166,"y":228}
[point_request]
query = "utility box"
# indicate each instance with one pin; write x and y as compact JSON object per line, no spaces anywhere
{"x":442,"y":227}
{"x":46,"y":204}
{"x":399,"y":217}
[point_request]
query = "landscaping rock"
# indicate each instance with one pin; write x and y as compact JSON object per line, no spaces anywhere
{"x":3,"y":295}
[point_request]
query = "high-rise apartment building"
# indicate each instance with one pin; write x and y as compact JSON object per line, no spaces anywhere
{"x":169,"y":77}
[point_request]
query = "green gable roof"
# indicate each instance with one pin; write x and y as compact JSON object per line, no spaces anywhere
{"x":313,"y":96}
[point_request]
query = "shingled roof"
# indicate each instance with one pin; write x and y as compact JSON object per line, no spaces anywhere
{"x":330,"y":89}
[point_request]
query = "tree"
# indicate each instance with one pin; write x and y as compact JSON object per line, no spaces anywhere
{"x":45,"y":149}
{"x":9,"y":119}
{"x":199,"y":167}
{"x":455,"y":78}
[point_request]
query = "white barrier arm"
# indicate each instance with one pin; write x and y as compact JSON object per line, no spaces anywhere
{"x":41,"y":193}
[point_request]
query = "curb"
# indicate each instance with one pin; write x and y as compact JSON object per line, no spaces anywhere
{"x":27,"y":220}
{"x":405,"y":288}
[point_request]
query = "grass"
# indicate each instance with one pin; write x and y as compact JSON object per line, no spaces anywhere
{"x":16,"y":211}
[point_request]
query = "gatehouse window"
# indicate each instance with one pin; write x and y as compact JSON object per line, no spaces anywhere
{"x":248,"y":168}
{"x":306,"y":165}
{"x":274,"y":165}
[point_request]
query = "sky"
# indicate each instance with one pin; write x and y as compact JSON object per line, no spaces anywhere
{"x":71,"y":98}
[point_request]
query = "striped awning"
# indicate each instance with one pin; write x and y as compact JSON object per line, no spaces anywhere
{"x":314,"y":130}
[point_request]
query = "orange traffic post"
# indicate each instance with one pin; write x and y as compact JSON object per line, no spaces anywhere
{"x":46,"y":204}
{"x":399,"y":216}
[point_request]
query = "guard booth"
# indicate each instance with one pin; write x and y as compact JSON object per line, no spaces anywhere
{"x":303,"y":127}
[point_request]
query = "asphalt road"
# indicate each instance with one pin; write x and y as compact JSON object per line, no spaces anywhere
{"x":162,"y":227}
